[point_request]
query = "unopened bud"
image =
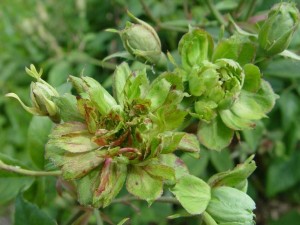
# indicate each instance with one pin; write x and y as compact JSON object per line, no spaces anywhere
{"x":142,"y":42}
{"x":277,"y":31}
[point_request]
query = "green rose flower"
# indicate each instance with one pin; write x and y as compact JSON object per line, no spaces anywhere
{"x":122,"y":138}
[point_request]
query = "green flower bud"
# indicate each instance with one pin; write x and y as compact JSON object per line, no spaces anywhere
{"x":278,"y":29}
{"x":142,"y":42}
{"x":216,"y":85}
{"x":231,"y":206}
{"x":41,"y":94}
{"x":195,"y":47}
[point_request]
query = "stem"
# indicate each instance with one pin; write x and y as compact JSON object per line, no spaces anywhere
{"x":171,"y":200}
{"x":17,"y":169}
{"x":215,"y":12}
{"x":208,"y":219}
{"x":250,"y":9}
{"x":98,"y":217}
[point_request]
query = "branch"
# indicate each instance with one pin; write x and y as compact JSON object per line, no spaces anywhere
{"x":17,"y":169}
{"x":171,"y":200}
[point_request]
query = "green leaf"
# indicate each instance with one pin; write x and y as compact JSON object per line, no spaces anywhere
{"x":38,"y":131}
{"x":78,"y":165}
{"x":292,"y":217}
{"x":72,"y":137}
{"x":123,"y":221}
{"x":254,"y":136}
{"x":229,"y":206}
{"x":102,"y":100}
{"x":170,"y":141}
{"x":86,"y":186}
{"x":236,"y":177}
{"x":278,"y":180}
{"x":252,"y":80}
{"x":29,"y":214}
{"x":12,"y":183}
{"x":160,"y":171}
{"x":158,"y":93}
{"x":254,"y":106}
{"x":283,"y":68}
{"x":120,"y":77}
{"x":214,"y":135}
{"x":221,"y":160}
{"x":192,"y":193}
{"x":68,"y":110}
{"x":235,"y":122}
{"x":174,"y":162}
{"x":59,"y":73}
{"x":289,"y":106}
{"x":236,"y":48}
{"x":112,"y":178}
{"x":141,"y":184}
{"x":189,"y":143}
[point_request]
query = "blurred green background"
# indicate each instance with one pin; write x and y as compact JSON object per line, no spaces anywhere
{"x":67,"y":37}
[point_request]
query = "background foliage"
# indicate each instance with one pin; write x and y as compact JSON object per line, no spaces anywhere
{"x":67,"y":37}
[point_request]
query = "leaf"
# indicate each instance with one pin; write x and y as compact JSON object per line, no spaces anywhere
{"x":120,"y":77}
{"x":158,"y":93}
{"x":85,"y":187}
{"x":38,"y":131}
{"x":29,"y":214}
{"x":235,"y":122}
{"x":254,"y":106}
{"x":102,"y":100}
{"x":123,"y":221}
{"x":78,"y":165}
{"x":189,"y":143}
{"x":160,"y":171}
{"x":59,"y":73}
{"x":143,"y":185}
{"x":234,"y":178}
{"x":290,"y":54}
{"x":214,"y":135}
{"x":283,"y":68}
{"x":254,"y":136}
{"x":289,"y":107}
{"x":174,"y":162}
{"x":236,"y":48}
{"x":112,"y":178}
{"x":292,"y":217}
{"x":192,"y":193}
{"x":229,"y":206}
{"x":12,"y":183}
{"x":252,"y":78}
{"x":170,"y":141}
{"x":278,"y":180}
{"x":68,"y":110}
{"x":221,"y":160}
{"x":72,"y":137}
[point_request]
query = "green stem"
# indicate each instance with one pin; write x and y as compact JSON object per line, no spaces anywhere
{"x":17,"y":169}
{"x":208,"y":220}
{"x":250,"y":9}
{"x":132,"y":198}
{"x":98,"y":217}
{"x":215,"y":12}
